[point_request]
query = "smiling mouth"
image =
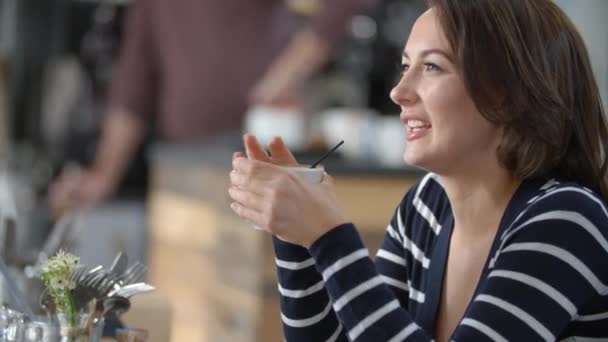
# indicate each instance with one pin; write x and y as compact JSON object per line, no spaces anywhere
{"x":417,"y":125}
{"x":417,"y":129}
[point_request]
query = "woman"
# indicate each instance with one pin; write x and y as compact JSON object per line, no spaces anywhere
{"x":504,"y":240}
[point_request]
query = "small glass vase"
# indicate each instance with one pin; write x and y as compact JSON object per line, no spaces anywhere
{"x":77,"y":331}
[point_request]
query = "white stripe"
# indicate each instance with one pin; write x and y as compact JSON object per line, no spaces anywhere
{"x":594,"y":317}
{"x":566,"y":257}
{"x":519,"y":313}
{"x":413,"y":294}
{"x":400,"y":222}
{"x":564,"y":189}
{"x":416,"y":295}
{"x":423,"y":182}
{"x":336,"y":334}
{"x":491,"y":333}
{"x":292,"y":265}
{"x":386,"y":255}
{"x":427,"y":214}
{"x":356,"y":292}
{"x":405,"y":333}
{"x":344,"y":261}
{"x":306,"y":322}
{"x":569,"y":216}
{"x":302,"y":293}
{"x":396,"y":283}
{"x":513,"y":223}
{"x":540,"y":285}
{"x":372,"y":318}
{"x":584,"y":339}
{"x":580,"y":191}
{"x":411,"y":246}
{"x":550,"y":183}
{"x":422,"y":209}
{"x":393,"y":233}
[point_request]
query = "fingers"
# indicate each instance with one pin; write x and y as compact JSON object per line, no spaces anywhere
{"x":67,"y":185}
{"x":246,"y":198}
{"x":281,"y":155}
{"x":243,"y":181}
{"x":236,"y":155}
{"x":61,"y":198}
{"x":279,"y":152}
{"x":254,"y":149}
{"x":65,"y":192}
{"x":242,"y":165}
{"x":248,"y":214}
{"x":255,"y":168}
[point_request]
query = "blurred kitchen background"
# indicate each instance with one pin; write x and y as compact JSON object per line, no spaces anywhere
{"x":214,"y":274}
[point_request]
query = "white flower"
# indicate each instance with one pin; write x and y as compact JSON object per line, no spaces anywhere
{"x":67,"y":260}
{"x":59,"y":284}
{"x":55,"y":275}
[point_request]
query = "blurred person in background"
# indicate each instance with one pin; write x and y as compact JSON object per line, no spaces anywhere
{"x":190,"y":69}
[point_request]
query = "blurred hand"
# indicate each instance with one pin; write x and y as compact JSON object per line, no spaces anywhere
{"x":272,"y":197}
{"x":276,"y":91}
{"x":305,"y":53}
{"x":79,"y":188}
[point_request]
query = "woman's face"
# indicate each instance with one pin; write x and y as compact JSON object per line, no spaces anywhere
{"x":445,"y":131}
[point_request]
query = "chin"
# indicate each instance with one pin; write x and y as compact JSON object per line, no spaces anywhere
{"x":424,"y":161}
{"x":415,"y":159}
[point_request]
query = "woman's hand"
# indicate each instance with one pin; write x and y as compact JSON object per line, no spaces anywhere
{"x":278,"y":200}
{"x":279,"y":153}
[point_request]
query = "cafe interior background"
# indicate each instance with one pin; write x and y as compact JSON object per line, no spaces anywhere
{"x":213,"y":274}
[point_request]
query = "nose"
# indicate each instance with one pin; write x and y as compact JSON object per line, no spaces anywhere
{"x":404,"y":92}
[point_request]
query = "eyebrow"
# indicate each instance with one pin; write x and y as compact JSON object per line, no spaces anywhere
{"x":425,"y":53}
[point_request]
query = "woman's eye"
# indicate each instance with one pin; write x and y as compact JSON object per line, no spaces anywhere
{"x":403,"y":68}
{"x":431,"y":67}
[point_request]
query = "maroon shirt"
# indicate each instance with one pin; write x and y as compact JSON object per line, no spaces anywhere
{"x":189,"y":64}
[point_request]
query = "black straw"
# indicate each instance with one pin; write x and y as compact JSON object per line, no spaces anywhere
{"x":326,"y":155}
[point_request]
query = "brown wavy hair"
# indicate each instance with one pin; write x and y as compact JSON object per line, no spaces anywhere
{"x":527,"y":69}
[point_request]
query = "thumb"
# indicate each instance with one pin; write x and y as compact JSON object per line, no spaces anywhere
{"x":327,"y":180}
{"x":238,"y":154}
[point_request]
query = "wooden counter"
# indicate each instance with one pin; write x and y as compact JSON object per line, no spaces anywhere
{"x":218,"y":272}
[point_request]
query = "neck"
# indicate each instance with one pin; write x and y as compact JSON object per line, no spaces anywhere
{"x":478,"y":200}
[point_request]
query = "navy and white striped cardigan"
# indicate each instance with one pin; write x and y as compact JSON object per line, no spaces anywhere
{"x":546,"y":278}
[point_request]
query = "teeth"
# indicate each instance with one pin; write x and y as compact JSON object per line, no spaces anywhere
{"x":416,"y":124}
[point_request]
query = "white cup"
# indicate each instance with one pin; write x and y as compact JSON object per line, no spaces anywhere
{"x":308,"y":174}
